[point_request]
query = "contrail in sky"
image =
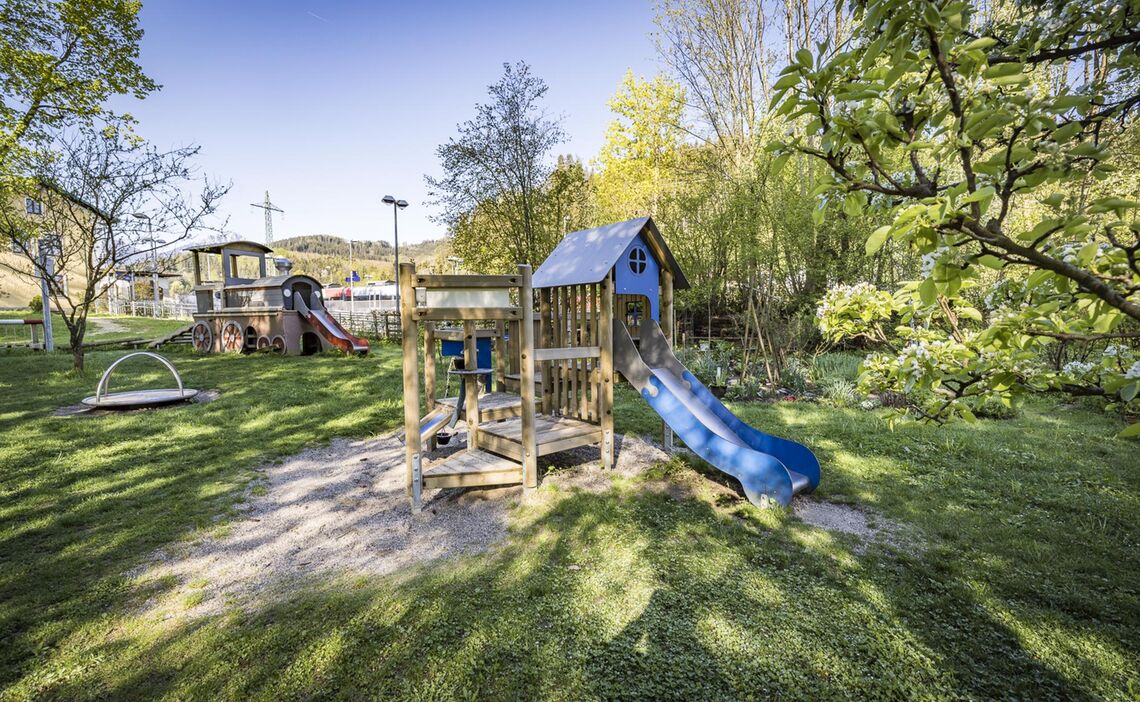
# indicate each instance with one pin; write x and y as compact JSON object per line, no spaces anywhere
{"x":316,"y":16}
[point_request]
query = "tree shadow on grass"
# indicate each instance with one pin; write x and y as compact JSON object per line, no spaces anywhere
{"x":621,"y":595}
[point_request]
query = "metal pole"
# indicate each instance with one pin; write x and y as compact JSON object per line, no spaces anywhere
{"x":45,"y":297}
{"x":351,"y":295}
{"x":396,"y":228}
{"x":154,"y":265}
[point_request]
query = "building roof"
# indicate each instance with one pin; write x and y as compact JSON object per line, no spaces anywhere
{"x":251,"y":246}
{"x":585,"y":257}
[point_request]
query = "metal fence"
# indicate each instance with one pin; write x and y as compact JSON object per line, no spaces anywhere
{"x":376,"y":324}
{"x":373,"y":323}
{"x":167,"y":309}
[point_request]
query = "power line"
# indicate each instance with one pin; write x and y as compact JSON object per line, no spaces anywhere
{"x":269,"y":208}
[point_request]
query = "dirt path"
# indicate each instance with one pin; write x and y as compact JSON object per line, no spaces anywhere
{"x":105,"y":326}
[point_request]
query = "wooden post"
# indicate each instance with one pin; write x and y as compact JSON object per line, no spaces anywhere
{"x":500,"y":351}
{"x":471,"y":402}
{"x":197,"y":269}
{"x":429,"y":366}
{"x":544,"y":327}
{"x":667,"y":328}
{"x":526,"y":379}
{"x":429,"y":374}
{"x":410,"y":336}
{"x":606,"y":344}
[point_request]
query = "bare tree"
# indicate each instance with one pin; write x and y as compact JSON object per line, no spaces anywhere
{"x":85,"y":193}
{"x":499,"y":162}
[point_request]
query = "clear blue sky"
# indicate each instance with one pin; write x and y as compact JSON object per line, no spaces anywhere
{"x":330,"y":106}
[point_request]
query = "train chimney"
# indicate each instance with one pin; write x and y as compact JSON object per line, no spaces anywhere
{"x":283,"y":264}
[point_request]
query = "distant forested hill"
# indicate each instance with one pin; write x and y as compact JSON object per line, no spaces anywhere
{"x":325,"y":257}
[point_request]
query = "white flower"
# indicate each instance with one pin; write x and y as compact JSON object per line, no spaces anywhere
{"x":1077,"y":368}
{"x":1115,"y":350}
{"x":1133,"y":372}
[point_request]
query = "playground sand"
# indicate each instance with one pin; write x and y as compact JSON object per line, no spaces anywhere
{"x":342,"y":510}
{"x":337,"y":512}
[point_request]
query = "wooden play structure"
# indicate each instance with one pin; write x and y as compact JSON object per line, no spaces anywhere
{"x":241,"y":309}
{"x":604,"y":310}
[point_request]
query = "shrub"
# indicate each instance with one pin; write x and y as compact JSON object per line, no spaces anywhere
{"x":744,"y":390}
{"x":835,"y":366}
{"x":796,"y":375}
{"x":36,"y":304}
{"x":840,"y":392}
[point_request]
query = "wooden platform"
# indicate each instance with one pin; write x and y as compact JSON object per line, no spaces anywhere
{"x":472,"y":468}
{"x":553,"y":434}
{"x":492,"y":406}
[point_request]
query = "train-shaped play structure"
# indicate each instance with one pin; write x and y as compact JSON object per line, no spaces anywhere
{"x":242,"y":309}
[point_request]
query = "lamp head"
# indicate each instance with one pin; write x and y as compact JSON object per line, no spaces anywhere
{"x":401,"y":204}
{"x":140,"y":215}
{"x":389,"y":200}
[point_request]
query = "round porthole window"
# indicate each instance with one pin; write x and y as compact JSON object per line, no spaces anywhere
{"x":637,"y":260}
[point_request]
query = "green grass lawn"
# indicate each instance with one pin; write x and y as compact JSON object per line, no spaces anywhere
{"x":102,"y":327}
{"x":1021,"y":583}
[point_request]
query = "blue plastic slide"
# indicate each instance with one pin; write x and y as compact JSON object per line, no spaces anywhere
{"x":766,"y":466}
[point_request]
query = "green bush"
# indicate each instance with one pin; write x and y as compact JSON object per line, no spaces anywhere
{"x":36,"y":304}
{"x":744,"y":390}
{"x":840,"y":392}
{"x":835,"y":366}
{"x":796,"y":375}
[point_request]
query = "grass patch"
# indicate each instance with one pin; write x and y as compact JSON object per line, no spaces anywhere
{"x":1025,"y":588}
{"x":101,"y":328}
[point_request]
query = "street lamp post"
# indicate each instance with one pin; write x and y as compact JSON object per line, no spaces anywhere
{"x":153,"y":258}
{"x":397,"y":205}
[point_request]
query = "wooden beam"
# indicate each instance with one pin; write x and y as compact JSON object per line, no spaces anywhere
{"x":606,"y":342}
{"x":545,"y":335}
{"x":526,"y":377}
{"x":440,"y":314}
{"x":467,"y":281}
{"x":565,"y":352}
{"x":500,"y":352}
{"x":410,"y":334}
{"x":471,"y":402}
{"x":429,"y":364}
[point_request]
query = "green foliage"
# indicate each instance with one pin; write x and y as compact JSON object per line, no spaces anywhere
{"x":495,"y":175}
{"x":840,"y":392}
{"x":36,"y":304}
{"x":640,"y":160}
{"x":1010,"y":177}
{"x":713,"y":365}
{"x":59,"y":63}
{"x":834,"y":365}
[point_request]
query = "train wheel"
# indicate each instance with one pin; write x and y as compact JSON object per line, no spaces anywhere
{"x":263,"y":343}
{"x":278,"y":344}
{"x":202,"y":338}
{"x":232,"y":337}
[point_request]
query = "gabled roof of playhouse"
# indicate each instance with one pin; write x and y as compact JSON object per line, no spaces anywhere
{"x":587,"y":256}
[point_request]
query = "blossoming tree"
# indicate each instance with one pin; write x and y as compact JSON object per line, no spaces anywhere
{"x":1002,"y":145}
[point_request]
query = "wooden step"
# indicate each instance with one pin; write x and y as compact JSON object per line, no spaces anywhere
{"x":492,"y":406}
{"x":552,"y":434}
{"x":472,"y":468}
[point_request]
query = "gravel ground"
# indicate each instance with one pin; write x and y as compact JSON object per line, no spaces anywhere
{"x":342,"y":509}
{"x":868,"y":526}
